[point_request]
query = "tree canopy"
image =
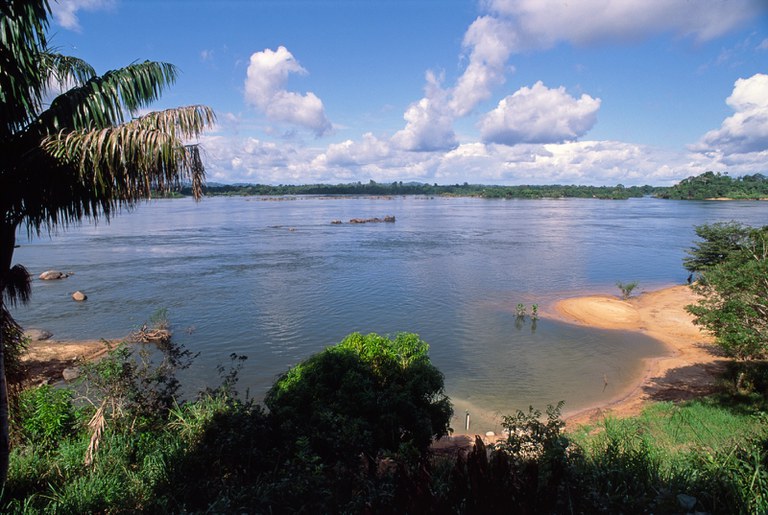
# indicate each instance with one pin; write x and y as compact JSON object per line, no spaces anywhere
{"x":734,"y":289}
{"x":368,"y":394}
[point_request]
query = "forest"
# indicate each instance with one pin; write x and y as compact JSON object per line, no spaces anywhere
{"x":708,"y":185}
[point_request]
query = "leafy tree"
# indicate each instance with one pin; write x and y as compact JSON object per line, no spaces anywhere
{"x":82,"y":155}
{"x":734,"y":296}
{"x":368,"y":394}
{"x":720,"y":239}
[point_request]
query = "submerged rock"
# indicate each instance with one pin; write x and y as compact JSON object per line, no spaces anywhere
{"x":37,"y":335}
{"x":53,"y":275}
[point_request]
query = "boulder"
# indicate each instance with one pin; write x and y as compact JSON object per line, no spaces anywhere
{"x":70,"y":374}
{"x":37,"y":335}
{"x":53,"y":275}
{"x":79,"y":296}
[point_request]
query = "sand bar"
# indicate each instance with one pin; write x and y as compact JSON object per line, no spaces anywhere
{"x":687,"y":371}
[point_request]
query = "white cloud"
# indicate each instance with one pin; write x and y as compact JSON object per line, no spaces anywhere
{"x":429,"y":121}
{"x":539,"y":115}
{"x":369,"y":150}
{"x":763,"y":45}
{"x":267,"y":74}
{"x":65,"y":11}
{"x":490,"y":42}
{"x":746,"y":131}
{"x":543,"y":23}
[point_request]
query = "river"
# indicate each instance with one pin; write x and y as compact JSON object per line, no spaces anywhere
{"x":277,"y":281}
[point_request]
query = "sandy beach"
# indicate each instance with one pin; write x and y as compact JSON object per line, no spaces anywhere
{"x":686,"y":372}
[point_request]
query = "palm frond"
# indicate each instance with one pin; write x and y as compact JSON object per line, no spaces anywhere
{"x":182,"y":122}
{"x":18,"y":286}
{"x":65,"y":70}
{"x":121,"y":165}
{"x":22,"y":33}
{"x":106,"y":100}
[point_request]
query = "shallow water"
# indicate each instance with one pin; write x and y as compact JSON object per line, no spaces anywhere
{"x":276,"y":281}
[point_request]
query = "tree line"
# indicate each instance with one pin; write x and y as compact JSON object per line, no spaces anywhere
{"x":708,"y":185}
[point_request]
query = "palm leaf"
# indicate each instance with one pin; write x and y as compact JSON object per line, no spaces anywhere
{"x":18,"y":286}
{"x":106,"y":100}
{"x":22,"y":33}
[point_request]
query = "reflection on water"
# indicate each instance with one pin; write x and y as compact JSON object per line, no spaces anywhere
{"x":277,"y":281}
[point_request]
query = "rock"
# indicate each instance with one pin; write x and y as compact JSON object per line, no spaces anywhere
{"x":53,"y":275}
{"x":490,"y":433}
{"x":37,"y":335}
{"x":70,"y":374}
{"x":686,"y":502}
{"x":336,"y":222}
{"x":79,"y":296}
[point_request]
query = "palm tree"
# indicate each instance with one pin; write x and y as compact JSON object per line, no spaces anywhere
{"x":83,"y":155}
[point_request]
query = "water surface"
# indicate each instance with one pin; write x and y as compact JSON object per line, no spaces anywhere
{"x":276,"y":281}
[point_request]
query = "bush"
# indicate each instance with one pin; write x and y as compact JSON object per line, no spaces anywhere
{"x":367,"y":395}
{"x":46,"y":416}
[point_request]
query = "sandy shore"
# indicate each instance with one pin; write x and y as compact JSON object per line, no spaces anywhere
{"x":689,"y":369}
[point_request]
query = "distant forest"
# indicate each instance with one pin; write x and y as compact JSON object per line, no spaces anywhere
{"x":705,"y":186}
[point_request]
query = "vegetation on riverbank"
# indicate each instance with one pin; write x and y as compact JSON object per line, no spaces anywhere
{"x":413,"y":188}
{"x":151,"y":451}
{"x":708,"y":185}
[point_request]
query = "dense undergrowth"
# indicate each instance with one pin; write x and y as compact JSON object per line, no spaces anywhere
{"x":123,"y":441}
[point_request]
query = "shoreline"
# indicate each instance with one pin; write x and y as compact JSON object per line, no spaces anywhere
{"x":685,"y":372}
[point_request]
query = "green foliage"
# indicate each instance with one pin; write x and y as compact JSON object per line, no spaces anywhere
{"x":45,"y":416}
{"x":137,"y":382}
{"x":733,"y":303}
{"x":626,"y":288}
{"x":719,"y":240}
{"x":368,"y":394}
{"x":413,"y":188}
{"x":716,"y":185}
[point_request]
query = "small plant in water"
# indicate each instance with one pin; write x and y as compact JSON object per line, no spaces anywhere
{"x":535,"y":311}
{"x":626,"y":288}
{"x":521,"y":310}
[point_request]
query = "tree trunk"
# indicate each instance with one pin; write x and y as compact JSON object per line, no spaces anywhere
{"x":7,"y":242}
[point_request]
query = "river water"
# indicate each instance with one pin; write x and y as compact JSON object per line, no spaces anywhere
{"x":276,"y":281}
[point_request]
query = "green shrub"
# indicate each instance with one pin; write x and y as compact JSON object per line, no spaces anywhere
{"x":46,"y":416}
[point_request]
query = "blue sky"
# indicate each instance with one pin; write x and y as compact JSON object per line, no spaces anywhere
{"x":447,"y":91}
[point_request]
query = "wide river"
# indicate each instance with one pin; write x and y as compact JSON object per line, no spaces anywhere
{"x":276,"y":281}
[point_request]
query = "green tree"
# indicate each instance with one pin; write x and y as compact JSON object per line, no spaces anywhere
{"x":368,"y":394}
{"x":83,"y":155}
{"x":719,"y":240}
{"x":734,"y":296}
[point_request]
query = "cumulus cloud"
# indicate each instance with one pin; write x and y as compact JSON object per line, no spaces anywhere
{"x":267,"y":74}
{"x":429,"y":121}
{"x":539,"y":115}
{"x":543,"y":23}
{"x":747,"y":129}
{"x":489,"y":42}
{"x":65,"y":11}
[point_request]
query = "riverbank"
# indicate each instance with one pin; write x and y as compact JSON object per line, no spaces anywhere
{"x":688,"y":371}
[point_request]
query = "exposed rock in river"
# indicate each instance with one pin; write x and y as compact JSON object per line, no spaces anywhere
{"x":388,"y":219}
{"x":52,"y":275}
{"x":37,"y":335}
{"x":79,"y":296}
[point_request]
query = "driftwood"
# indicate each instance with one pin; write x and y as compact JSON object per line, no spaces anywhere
{"x":146,"y":335}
